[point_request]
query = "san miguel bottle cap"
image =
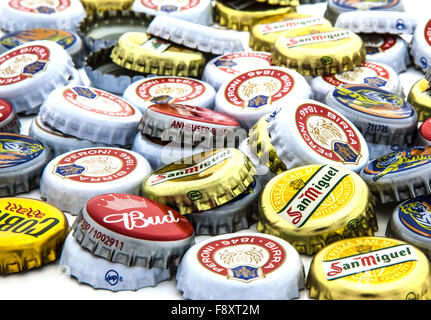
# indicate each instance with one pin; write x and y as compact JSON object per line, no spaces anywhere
{"x":252,"y":94}
{"x":223,"y":68}
{"x":134,"y":231}
{"x":140,"y":52}
{"x":23,"y":160}
{"x":400,"y":175}
{"x":9,"y":121}
{"x":312,"y":206}
{"x":23,"y":14}
{"x":421,"y":44}
{"x":94,"y":6}
{"x":266,"y":31}
{"x":202,"y":181}
{"x":103,"y":274}
{"x":146,"y":92}
{"x":374,"y":268}
{"x":91,"y":114}
{"x":424,"y":134}
{"x":338,"y":50}
{"x":241,"y":266}
{"x":309,"y":132}
{"x":43,"y":64}
{"x":70,"y":179}
{"x":32,"y":234}
{"x":370,"y":73}
{"x":419,"y":97}
{"x":196,"y":11}
{"x":380,"y":115}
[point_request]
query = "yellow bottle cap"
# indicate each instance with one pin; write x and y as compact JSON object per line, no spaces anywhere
{"x":202,"y":181}
{"x":260,"y":144}
{"x":319,"y":50}
{"x":141,"y":52}
{"x":315,"y":205}
{"x":369,"y":268}
{"x":96,"y":6}
{"x":420,"y":99}
{"x":32,"y":233}
{"x":264,"y":34}
{"x":243,"y":18}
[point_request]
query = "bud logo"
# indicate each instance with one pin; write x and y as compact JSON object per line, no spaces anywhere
{"x":136,"y":219}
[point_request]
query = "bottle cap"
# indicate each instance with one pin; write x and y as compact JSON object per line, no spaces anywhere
{"x":103,"y":274}
{"x":103,"y":29}
{"x":338,"y":50}
{"x":374,"y":268}
{"x":410,"y":222}
{"x":315,"y":205}
{"x":202,"y":181}
{"x":391,"y":50}
{"x":186,"y":123}
{"x":266,"y":31}
{"x":370,"y":73}
{"x":134,"y":231}
{"x":237,"y":214}
{"x":146,"y":92}
{"x":32,"y":233}
{"x":141,"y":52}
{"x":424,"y":135}
{"x":400,"y":175}
{"x":262,"y":170}
{"x":252,"y":94}
{"x":420,"y":98}
{"x":192,"y":35}
{"x":96,"y":6}
{"x":239,"y":266}
{"x":243,"y":15}
{"x":195,"y":11}
{"x":71,"y":179}
{"x":381,"y":116}
{"x":23,"y":160}
{"x":421,"y":45}
{"x":309,"y":132}
{"x":223,"y":68}
{"x":23,"y":14}
{"x":9,"y":121}
{"x":91,"y":114}
{"x":42,"y":64}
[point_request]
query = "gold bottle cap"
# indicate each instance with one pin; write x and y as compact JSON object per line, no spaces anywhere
{"x":202,"y":181}
{"x":244,"y":15}
{"x":369,"y":268}
{"x":264,"y":34}
{"x":315,"y":205}
{"x":319,"y":50}
{"x":260,"y":144}
{"x":141,"y":52}
{"x":96,"y":6}
{"x":420,"y":99}
{"x":32,"y":233}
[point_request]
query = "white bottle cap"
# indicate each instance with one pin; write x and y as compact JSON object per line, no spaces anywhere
{"x":421,"y":45}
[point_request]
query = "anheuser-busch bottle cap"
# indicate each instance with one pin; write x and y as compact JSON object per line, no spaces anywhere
{"x":134,"y":231}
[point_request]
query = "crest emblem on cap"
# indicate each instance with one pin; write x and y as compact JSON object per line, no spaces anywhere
{"x":345,"y":152}
{"x":245,"y":273}
{"x":45,"y":10}
{"x":69,"y":170}
{"x":161,"y":99}
{"x":225,"y":63}
{"x":168,"y":8}
{"x":85,"y":92}
{"x":257,"y":101}
{"x":33,"y":68}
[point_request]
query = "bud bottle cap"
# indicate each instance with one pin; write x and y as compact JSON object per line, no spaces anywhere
{"x":9,"y":121}
{"x":420,"y":98}
{"x":421,"y":45}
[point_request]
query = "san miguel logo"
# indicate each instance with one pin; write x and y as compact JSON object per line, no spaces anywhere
{"x":291,"y":42}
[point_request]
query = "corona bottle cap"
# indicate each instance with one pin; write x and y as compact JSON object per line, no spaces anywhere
{"x":309,"y":132}
{"x":424,"y":135}
{"x":196,"y":11}
{"x":192,"y":35}
{"x":9,"y":121}
{"x":21,"y":14}
{"x":420,"y":98}
{"x":32,"y":234}
{"x":103,"y":274}
{"x":380,"y":115}
{"x":141,"y":52}
{"x":23,"y":160}
{"x":252,"y":94}
{"x":96,"y":6}
{"x":391,"y":50}
{"x":374,"y":268}
{"x":400,"y":175}
{"x":237,"y":214}
{"x":243,"y":15}
{"x":370,"y":73}
{"x":91,"y":114}
{"x":421,"y":45}
{"x":264,"y":34}
{"x":410,"y":222}
{"x":250,"y":266}
{"x":42,"y":64}
{"x":178,"y":90}
{"x":134,"y":231}
{"x":223,"y":68}
{"x":315,"y":205}
{"x":201,"y":182}
{"x":71,"y":179}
